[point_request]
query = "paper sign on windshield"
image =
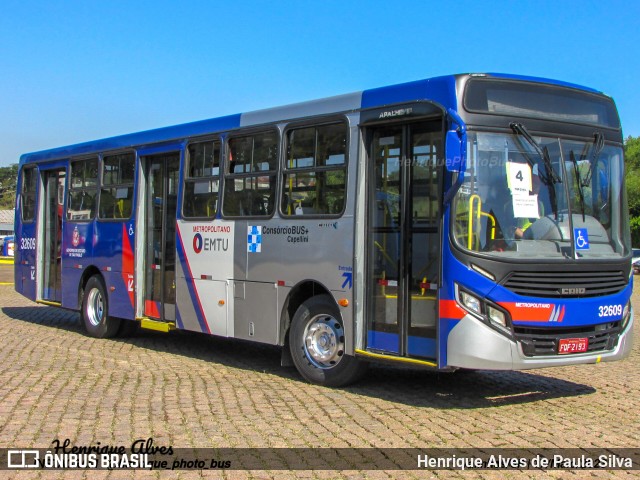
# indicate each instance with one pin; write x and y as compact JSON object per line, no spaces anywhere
{"x":519,"y":178}
{"x":525,"y":206}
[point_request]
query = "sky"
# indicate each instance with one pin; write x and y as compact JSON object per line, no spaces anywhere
{"x":74,"y":71}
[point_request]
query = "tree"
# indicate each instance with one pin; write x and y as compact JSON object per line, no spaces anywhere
{"x":8,"y":181}
{"x":632,"y":152}
{"x":632,"y":180}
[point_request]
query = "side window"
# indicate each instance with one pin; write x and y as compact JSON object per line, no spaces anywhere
{"x":315,"y":171}
{"x":83,"y":190}
{"x":28,"y":194}
{"x":202,"y":181}
{"x":116,"y":193}
{"x":250,"y":180}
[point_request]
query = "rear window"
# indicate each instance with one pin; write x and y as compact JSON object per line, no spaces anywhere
{"x":534,"y":100}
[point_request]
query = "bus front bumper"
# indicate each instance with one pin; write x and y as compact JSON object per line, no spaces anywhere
{"x":473,"y":344}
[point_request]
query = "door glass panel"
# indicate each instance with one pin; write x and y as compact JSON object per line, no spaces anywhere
{"x":425,"y":146}
{"x":425,"y":142}
{"x":162,"y":195}
{"x":173,"y":168}
{"x":384,"y":233}
{"x":54,"y":198}
{"x":155,"y":201}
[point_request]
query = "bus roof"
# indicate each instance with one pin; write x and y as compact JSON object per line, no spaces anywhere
{"x":441,"y":90}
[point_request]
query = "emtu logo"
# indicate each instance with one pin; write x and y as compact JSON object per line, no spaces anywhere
{"x":197,"y":243}
{"x":23,"y":459}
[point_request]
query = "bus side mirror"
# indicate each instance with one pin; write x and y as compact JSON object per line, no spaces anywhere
{"x":454,"y":151}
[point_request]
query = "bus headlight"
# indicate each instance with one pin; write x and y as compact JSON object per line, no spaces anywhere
{"x":470,"y":302}
{"x":496,"y":317}
{"x":485,"y":310}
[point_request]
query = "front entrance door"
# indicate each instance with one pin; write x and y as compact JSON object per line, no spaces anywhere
{"x":54,"y":181}
{"x":162,"y":172}
{"x":403,"y":240}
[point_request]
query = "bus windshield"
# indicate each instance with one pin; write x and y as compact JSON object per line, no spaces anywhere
{"x":542,"y":197}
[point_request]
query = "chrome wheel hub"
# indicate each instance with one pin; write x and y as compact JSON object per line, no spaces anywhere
{"x":95,"y":307}
{"x":324,"y":341}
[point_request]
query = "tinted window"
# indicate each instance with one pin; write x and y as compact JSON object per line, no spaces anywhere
{"x":116,"y":194}
{"x":202,"y":182}
{"x":28,"y":195}
{"x":250,"y":181}
{"x":315,"y":176}
{"x":83,"y":191}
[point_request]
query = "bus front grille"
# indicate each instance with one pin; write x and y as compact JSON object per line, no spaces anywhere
{"x":566,"y":284}
{"x":544,"y":341}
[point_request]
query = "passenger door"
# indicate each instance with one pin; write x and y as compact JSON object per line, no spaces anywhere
{"x":403,"y":238}
{"x":162,"y":179}
{"x":54,"y":184}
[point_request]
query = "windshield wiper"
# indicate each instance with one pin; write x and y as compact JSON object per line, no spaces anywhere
{"x":598,"y":145}
{"x":579,"y":180}
{"x":551,"y":176}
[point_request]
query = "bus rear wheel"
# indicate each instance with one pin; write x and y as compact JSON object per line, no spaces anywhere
{"x":317,"y":344}
{"x":95,"y":310}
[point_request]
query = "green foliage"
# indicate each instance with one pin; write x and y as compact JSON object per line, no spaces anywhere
{"x":633,"y":192}
{"x":8,"y":180}
{"x":635,"y":230}
{"x":632,"y":153}
{"x":632,"y":180}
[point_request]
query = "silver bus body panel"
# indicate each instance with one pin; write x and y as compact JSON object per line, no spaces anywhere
{"x":473,"y":344}
{"x":240,"y":289}
{"x":360,"y":238}
{"x":314,"y":108}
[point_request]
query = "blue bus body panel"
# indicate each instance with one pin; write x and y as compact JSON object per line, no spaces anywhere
{"x":113,"y":256}
{"x":77,"y":252}
{"x":24,"y":254}
{"x":439,"y":89}
{"x":416,"y":346}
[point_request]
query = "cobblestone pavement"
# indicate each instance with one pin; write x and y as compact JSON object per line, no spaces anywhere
{"x":6,"y":271}
{"x":190,"y":390}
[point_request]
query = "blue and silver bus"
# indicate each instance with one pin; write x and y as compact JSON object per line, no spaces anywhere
{"x":472,"y":221}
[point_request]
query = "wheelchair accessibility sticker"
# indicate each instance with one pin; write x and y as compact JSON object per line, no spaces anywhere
{"x":581,"y":238}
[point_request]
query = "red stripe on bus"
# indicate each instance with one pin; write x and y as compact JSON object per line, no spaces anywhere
{"x":451,"y":309}
{"x":151,"y":309}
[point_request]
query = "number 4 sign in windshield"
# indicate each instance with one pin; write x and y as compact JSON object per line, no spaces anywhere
{"x":519,"y":178}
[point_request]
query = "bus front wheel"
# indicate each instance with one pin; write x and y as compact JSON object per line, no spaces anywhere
{"x":95,"y":310}
{"x":317,"y":344}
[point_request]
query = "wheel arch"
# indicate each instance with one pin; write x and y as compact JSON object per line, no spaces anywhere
{"x":89,"y":272}
{"x":299,"y":294}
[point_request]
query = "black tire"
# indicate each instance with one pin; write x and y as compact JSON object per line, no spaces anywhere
{"x":127,"y":328}
{"x":95,"y":310}
{"x":316,"y":342}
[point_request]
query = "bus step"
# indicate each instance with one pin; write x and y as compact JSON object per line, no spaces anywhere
{"x":158,"y":326}
{"x":49,"y":303}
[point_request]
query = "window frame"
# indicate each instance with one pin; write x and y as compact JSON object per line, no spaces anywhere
{"x":231,"y":177}
{"x":101,"y":185}
{"x":71,"y":188}
{"x":285,"y":169}
{"x":186,"y":178}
